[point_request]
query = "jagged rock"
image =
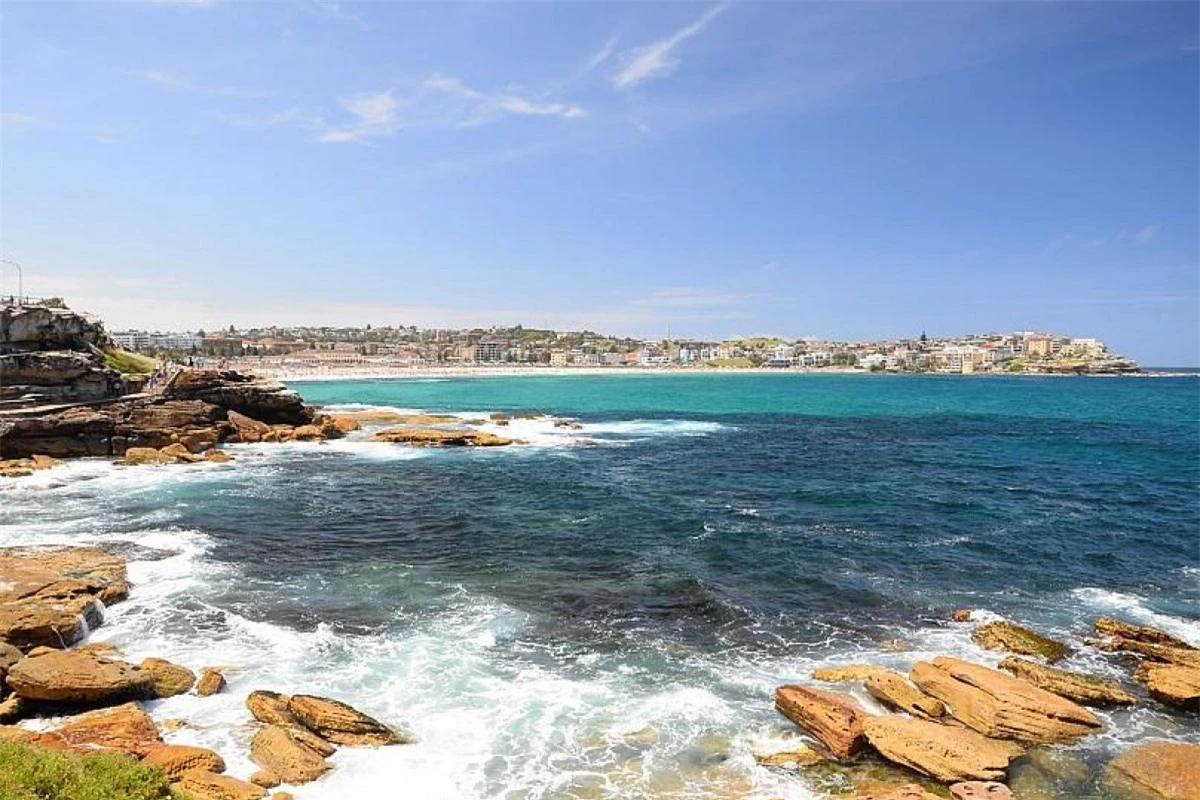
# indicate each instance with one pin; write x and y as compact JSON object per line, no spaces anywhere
{"x":176,"y":759}
{"x":211,"y":682}
{"x":1155,"y":771}
{"x":835,"y":720}
{"x":270,"y":708}
{"x":1182,"y":656}
{"x":273,"y":749}
{"x":1107,"y":626}
{"x":431,"y":437}
{"x":266,"y":401}
{"x":1016,"y":639}
{"x":341,"y":724}
{"x":847,"y":673}
{"x":1087,"y":690}
{"x":894,"y":691}
{"x":980,"y":790}
{"x":939,"y":751}
{"x":168,"y":679}
{"x":1001,"y":706}
{"x":266,"y":779}
{"x":200,"y":785}
{"x":125,"y":727}
{"x":1171,"y":684}
{"x":77,"y":677}
{"x":38,"y":328}
{"x":246,"y":429}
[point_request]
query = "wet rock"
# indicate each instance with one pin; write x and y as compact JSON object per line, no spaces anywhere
{"x":1108,"y":626}
{"x":980,"y":790}
{"x":78,"y":677}
{"x":12,"y":709}
{"x":271,"y":708}
{"x":274,"y":750}
{"x":1155,"y":771}
{"x":176,"y":759}
{"x":1084,"y":689}
{"x":847,"y":673}
{"x":142,"y":456}
{"x":168,"y":679}
{"x":24,"y":467}
{"x":961,"y":614}
{"x":791,"y":758}
{"x":265,"y":778}
{"x":1182,"y":656}
{"x":211,"y":682}
{"x":341,"y":724}
{"x":53,"y":597}
{"x":1001,"y":706}
{"x":894,"y":691}
{"x":909,"y":791}
{"x":200,"y":785}
{"x":434,"y":437}
{"x":835,"y":720}
{"x":335,"y":427}
{"x":1171,"y":684}
{"x":1016,"y":639}
{"x":125,"y":727}
{"x":310,"y":740}
{"x":218,"y":457}
{"x":307,"y":433}
{"x":939,"y":751}
{"x":247,"y":429}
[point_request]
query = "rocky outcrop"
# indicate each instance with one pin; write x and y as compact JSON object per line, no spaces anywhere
{"x":339,"y":723}
{"x":24,"y":467}
{"x":211,"y":682}
{"x":1108,"y":626}
{"x":201,"y":785}
{"x":126,"y":728}
{"x":848,"y":673}
{"x":1171,"y":684}
{"x":167,"y":679}
{"x":434,"y":437}
{"x":176,"y":759}
{"x":894,"y":691}
{"x":1086,"y":690}
{"x":275,"y":750}
{"x":38,"y":328}
{"x":53,"y":597}
{"x":835,"y":720}
{"x":78,"y":677}
{"x":57,"y":377}
{"x":1016,"y":639}
{"x":270,"y":708}
{"x":265,"y":401}
{"x":1155,"y":771}
{"x":1001,"y":706}
{"x":940,"y":751}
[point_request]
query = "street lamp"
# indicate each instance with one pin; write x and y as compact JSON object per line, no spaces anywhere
{"x":20,"y":279}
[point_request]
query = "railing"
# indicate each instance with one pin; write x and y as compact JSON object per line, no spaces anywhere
{"x":27,"y":300}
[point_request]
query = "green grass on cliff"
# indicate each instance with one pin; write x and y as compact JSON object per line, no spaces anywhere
{"x":28,"y":773}
{"x":128,"y":363}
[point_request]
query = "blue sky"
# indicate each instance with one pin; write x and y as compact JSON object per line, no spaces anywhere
{"x":849,"y":170}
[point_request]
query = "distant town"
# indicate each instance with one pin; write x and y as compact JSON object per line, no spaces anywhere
{"x":318,"y":349}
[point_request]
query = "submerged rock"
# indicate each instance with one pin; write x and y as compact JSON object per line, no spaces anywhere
{"x":835,"y":720}
{"x":940,"y":751}
{"x":1017,"y":639}
{"x":1084,"y":689}
{"x":1155,"y":771}
{"x":436,"y":437}
{"x":1001,"y":706}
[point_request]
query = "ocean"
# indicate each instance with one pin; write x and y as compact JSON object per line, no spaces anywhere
{"x":603,"y":612}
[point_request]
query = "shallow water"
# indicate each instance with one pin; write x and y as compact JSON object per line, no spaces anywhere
{"x":603,"y":612}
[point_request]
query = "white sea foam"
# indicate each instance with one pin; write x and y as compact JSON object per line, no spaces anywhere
{"x":1134,"y":609}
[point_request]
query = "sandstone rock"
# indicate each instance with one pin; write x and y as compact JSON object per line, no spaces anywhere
{"x":265,"y":778}
{"x":9,"y":655}
{"x":909,"y":791}
{"x":1001,"y":706}
{"x":12,"y":709}
{"x":168,"y":679}
{"x":310,"y":740}
{"x":274,"y":750}
{"x":846,"y":674}
{"x":125,"y":727}
{"x":200,"y":785}
{"x":180,"y":453}
{"x":1016,"y":639}
{"x":1107,"y":626}
{"x":270,"y":708}
{"x":1156,"y":771}
{"x":961,"y":614}
{"x":1087,"y":690}
{"x":283,"y":796}
{"x":141,"y":456}
{"x":894,"y":691}
{"x":211,"y":682}
{"x":307,"y":433}
{"x":341,"y":724}
{"x":835,"y":720}
{"x":246,"y":429}
{"x":939,"y":751}
{"x":980,"y":790}
{"x":1184,"y":657}
{"x":49,"y":597}
{"x":78,"y":677}
{"x":41,"y":650}
{"x":794,"y":757}
{"x":1171,"y":684}
{"x":176,"y":759}
{"x":431,"y":437}
{"x":267,"y":401}
{"x":218,"y":457}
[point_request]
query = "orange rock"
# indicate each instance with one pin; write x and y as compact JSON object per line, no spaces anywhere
{"x":125,"y":727}
{"x":200,"y":785}
{"x":274,"y":750}
{"x":176,"y":759}
{"x":270,"y":708}
{"x":168,"y":679}
{"x":211,"y":682}
{"x":341,"y":724}
{"x":1158,"y":770}
{"x":939,"y":751}
{"x":1107,"y":626}
{"x":894,"y":691}
{"x":77,"y":677}
{"x":836,"y":720}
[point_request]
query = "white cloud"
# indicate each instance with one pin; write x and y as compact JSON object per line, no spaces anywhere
{"x":485,"y":106}
{"x":1149,"y":233}
{"x":171,"y":80}
{"x":600,"y":56}
{"x":376,"y":113}
{"x":657,"y":59}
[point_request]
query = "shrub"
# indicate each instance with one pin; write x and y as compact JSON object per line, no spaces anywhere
{"x":32,"y":773}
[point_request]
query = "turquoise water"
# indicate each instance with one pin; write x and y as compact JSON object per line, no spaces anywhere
{"x":603,"y":612}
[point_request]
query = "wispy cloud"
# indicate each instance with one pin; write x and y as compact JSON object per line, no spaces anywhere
{"x":600,"y":56}
{"x":658,"y":59}
{"x":12,"y":119}
{"x":171,"y":80}
{"x":1149,"y":233}
{"x":488,"y":105}
{"x":288,"y":116}
{"x":336,"y":11}
{"x":375,"y":113}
